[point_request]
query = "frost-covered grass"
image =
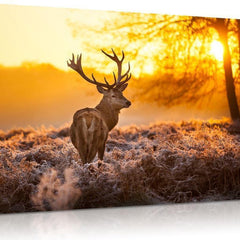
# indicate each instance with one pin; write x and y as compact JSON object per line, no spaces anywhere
{"x":161,"y":163}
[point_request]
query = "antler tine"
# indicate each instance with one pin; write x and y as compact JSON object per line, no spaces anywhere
{"x":108,"y":55}
{"x":122,"y":56}
{"x":78,"y":58}
{"x":114,"y":54}
{"x":120,"y":83}
{"x":106,"y":81}
{"x":126,"y":80}
{"x":114,"y":57}
{"x":125,"y":74}
{"x":94,"y":78}
{"x":115,"y":80}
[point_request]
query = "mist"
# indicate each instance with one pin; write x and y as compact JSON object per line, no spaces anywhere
{"x":41,"y":95}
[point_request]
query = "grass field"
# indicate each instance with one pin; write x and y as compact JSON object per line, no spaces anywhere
{"x":161,"y":163}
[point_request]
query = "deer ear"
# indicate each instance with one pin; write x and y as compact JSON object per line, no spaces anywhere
{"x":101,"y":89}
{"x":123,"y":87}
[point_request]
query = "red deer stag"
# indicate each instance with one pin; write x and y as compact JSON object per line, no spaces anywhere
{"x":90,"y":127}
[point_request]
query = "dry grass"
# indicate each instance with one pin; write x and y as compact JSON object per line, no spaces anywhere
{"x":161,"y":163}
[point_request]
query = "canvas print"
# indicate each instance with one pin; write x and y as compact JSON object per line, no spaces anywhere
{"x":107,"y":109}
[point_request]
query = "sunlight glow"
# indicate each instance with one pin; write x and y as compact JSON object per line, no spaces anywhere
{"x":145,"y":69}
{"x":148,"y":68}
{"x":147,"y":53}
{"x":217,"y":50}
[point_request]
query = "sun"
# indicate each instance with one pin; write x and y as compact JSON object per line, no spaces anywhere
{"x":148,"y":68}
{"x":216,"y":50}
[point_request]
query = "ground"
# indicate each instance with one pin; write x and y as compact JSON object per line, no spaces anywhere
{"x":160,"y":163}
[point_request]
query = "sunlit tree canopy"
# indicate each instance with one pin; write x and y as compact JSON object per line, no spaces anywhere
{"x":175,"y":58}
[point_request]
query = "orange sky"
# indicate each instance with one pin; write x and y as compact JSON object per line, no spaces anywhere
{"x":44,"y":35}
{"x":41,"y":34}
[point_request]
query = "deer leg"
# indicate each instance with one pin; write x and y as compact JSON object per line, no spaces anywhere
{"x":82,"y":150}
{"x":101,"y":148}
{"x":101,"y":151}
{"x":92,"y":140}
{"x":100,"y":155}
{"x":82,"y":141}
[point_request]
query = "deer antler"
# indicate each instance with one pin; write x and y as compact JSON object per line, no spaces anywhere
{"x":117,"y":82}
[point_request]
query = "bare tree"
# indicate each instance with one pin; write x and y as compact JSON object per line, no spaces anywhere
{"x":223,"y":27}
{"x":189,"y":76}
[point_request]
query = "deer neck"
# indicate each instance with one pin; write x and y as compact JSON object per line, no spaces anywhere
{"x":109,"y":114}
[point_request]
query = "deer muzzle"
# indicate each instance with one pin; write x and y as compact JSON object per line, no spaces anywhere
{"x":128,"y":103}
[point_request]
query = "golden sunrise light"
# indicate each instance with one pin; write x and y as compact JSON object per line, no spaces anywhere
{"x":217,"y":50}
{"x":147,"y":52}
{"x":37,"y":42}
{"x":149,"y":68}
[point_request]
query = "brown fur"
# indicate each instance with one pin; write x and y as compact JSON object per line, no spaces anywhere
{"x":90,"y":127}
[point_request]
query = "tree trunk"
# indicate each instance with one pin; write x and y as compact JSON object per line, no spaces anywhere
{"x":222,"y":29}
{"x":238,"y":26}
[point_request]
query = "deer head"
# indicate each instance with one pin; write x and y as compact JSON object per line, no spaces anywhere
{"x":112,"y":93}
